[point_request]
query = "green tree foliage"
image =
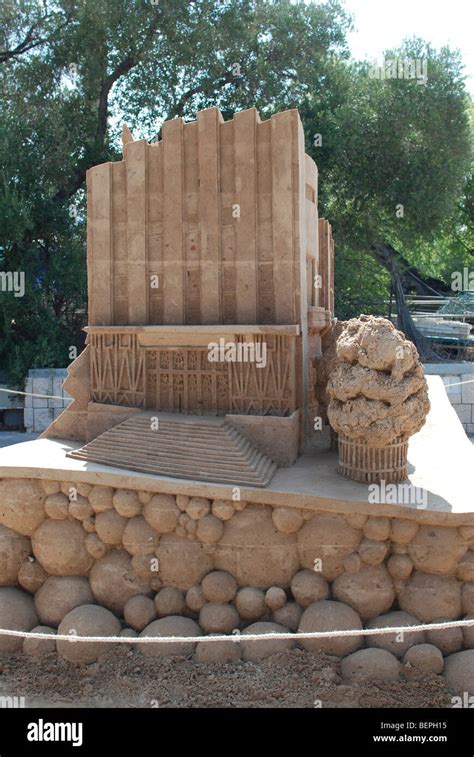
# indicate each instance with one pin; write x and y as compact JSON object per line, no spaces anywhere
{"x":72,"y":70}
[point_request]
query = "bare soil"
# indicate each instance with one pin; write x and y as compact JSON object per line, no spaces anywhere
{"x":123,"y":677}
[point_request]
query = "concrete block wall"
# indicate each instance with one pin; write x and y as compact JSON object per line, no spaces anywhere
{"x":458,"y":379}
{"x":40,"y":411}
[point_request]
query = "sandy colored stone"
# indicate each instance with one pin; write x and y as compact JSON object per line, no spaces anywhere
{"x":327,"y":615}
{"x":377,"y":389}
{"x":356,"y":520}
{"x":129,"y":632}
{"x":59,"y":546}
{"x":162,"y":513}
{"x":198,"y":507}
{"x":468,"y":633}
{"x":224,"y":510}
{"x":250,"y":603}
{"x":31,"y":575}
{"x":352,"y":563}
{"x":467,"y":535}
{"x":195,"y":598}
{"x":447,"y":640}
{"x":400,"y":567}
{"x":219,"y":586}
{"x":308,"y":587}
{"x":467,"y":597}
{"x":39,"y":647}
{"x":396,"y":643}
{"x":21,"y":505}
{"x":275,"y":598}
{"x":436,"y":549}
{"x":254,"y":551}
{"x":17,"y":613}
{"x":182,"y":502}
{"x":288,"y":616}
{"x":113,"y":581}
{"x":101,"y":498}
{"x":328,"y":538}
{"x":426,"y":658}
{"x":88,"y":524}
{"x":95,"y":546}
{"x":182,"y":563}
{"x":252,"y":651}
{"x":109,"y":526}
{"x":144,"y":497}
{"x":373,"y":552}
{"x":209,"y":529}
{"x":287,"y":520}
{"x":429,"y":597}
{"x":377,"y":529}
{"x":240,"y":504}
{"x":86,"y":620}
{"x":370,"y":591}
{"x":403,"y":531}
{"x":219,"y":652}
{"x":459,"y":672}
{"x":174,"y":625}
{"x":84,"y":489}
{"x":14,"y":549}
{"x":51,"y":487}
{"x":127,"y":503}
{"x":399,"y":549}
{"x":138,"y":537}
{"x":59,"y":595}
{"x":465,"y":568}
{"x":169,"y":601}
{"x":139,"y":611}
{"x":373,"y":663}
{"x":57,"y":506}
{"x":218,"y":618}
{"x":146,"y":566}
{"x":80,"y":508}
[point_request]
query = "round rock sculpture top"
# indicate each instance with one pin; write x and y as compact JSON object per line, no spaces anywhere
{"x":377,"y":389}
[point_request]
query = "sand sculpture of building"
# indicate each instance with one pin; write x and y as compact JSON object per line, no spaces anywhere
{"x":210,"y":283}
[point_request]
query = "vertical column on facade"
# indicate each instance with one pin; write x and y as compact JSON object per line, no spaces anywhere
{"x":99,"y":255}
{"x":209,"y":221}
{"x":228,"y":224}
{"x":135,"y":154}
{"x":173,"y":237}
{"x":120,"y":266}
{"x":155,"y":234}
{"x":192,"y":253}
{"x":245,"y":153}
{"x":266,"y":288}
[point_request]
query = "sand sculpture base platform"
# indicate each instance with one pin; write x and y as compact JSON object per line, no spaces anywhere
{"x":163,"y":556}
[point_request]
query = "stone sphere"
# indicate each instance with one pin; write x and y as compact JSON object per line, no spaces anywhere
{"x":14,"y":548}
{"x":162,"y":513}
{"x":209,"y":529}
{"x":127,"y":503}
{"x":183,"y":563}
{"x":17,"y":613}
{"x":59,"y":545}
{"x":169,"y":601}
{"x":400,"y":567}
{"x":330,"y":616}
{"x":101,"y":498}
{"x":328,"y":539}
{"x":288,"y":616}
{"x":195,"y":598}
{"x":198,"y":507}
{"x":39,"y":647}
{"x":110,"y":526}
{"x":370,"y":591}
{"x":80,"y":508}
{"x":113,"y":581}
{"x":287,"y":520}
{"x":139,"y":611}
{"x":250,"y":603}
{"x":448,"y":640}
{"x":218,"y":618}
{"x":459,"y":672}
{"x":224,"y":510}
{"x":396,"y":643}
{"x":95,"y":546}
{"x":219,"y":586}
{"x":57,"y":506}
{"x":275,"y":598}
{"x":308,"y":587}
{"x":426,"y":658}
{"x":429,"y":597}
{"x":138,"y":537}
{"x":59,"y":595}
{"x":437,"y":550}
{"x":252,"y":651}
{"x":173,"y":625}
{"x":373,"y":663}
{"x":218,"y":652}
{"x":31,"y":575}
{"x":22,"y":505}
{"x":86,"y":620}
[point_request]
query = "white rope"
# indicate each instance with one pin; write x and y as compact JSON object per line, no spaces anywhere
{"x":42,"y":396}
{"x":238,"y":636}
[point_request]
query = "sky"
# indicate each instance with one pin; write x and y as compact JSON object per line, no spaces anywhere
{"x":382,"y":24}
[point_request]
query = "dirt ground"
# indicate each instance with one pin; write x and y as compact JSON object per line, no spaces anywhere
{"x":123,"y":677}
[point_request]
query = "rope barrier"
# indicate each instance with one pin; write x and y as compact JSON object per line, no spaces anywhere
{"x":238,"y":636}
{"x":41,"y":396}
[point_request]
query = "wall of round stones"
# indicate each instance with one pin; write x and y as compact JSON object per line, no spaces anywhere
{"x":93,"y":557}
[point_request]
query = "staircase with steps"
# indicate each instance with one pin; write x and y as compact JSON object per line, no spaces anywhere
{"x":193,"y":447}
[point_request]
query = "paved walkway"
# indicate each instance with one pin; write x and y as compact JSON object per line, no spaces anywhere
{"x":15,"y":437}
